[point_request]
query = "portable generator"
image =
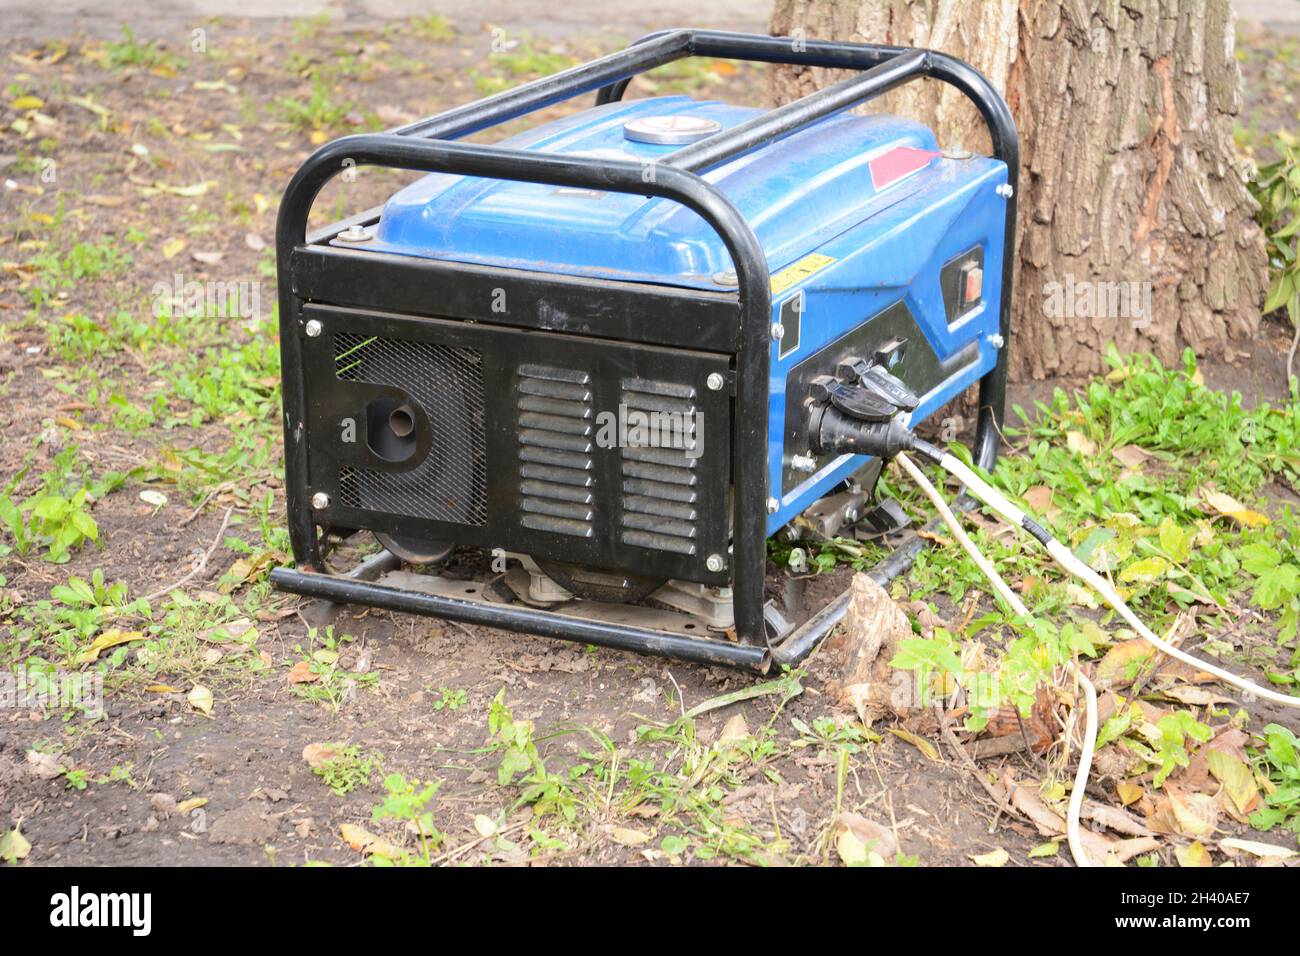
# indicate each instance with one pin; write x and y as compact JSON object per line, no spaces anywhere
{"x":611,"y":356}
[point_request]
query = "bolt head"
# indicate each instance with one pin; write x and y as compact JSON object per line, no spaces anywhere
{"x":996,"y":340}
{"x":1006,"y":191}
{"x":320,"y":501}
{"x":778,"y":331}
{"x":805,"y":463}
{"x":773,"y":506}
{"x":355,"y":234}
{"x":714,"y":562}
{"x":724,"y":278}
{"x":313,"y":328}
{"x":715,"y":381}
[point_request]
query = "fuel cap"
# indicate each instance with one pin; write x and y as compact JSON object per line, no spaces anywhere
{"x":675,"y":130}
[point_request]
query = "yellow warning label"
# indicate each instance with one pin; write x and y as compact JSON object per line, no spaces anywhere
{"x":801,"y":270}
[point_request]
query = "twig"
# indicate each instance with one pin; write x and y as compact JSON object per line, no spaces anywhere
{"x":1290,"y":356}
{"x":203,"y":562}
{"x":466,"y":847}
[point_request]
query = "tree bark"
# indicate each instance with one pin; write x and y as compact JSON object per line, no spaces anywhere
{"x":1136,"y":226}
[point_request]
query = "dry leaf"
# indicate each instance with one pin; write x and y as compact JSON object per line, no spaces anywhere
{"x":301,"y":673}
{"x":1257,"y":848}
{"x":1193,"y":855}
{"x":363,"y":841}
{"x":190,"y":805}
{"x":917,"y":741}
{"x":859,"y":841}
{"x":110,"y":638}
{"x":1080,"y":444}
{"x":14,"y":846}
{"x":200,"y":699}
{"x":998,"y":857}
{"x":317,"y":755}
{"x":1232,"y":508}
{"x":1194,"y":813}
{"x":628,"y":837}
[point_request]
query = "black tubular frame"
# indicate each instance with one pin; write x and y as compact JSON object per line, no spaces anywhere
{"x":424,"y":146}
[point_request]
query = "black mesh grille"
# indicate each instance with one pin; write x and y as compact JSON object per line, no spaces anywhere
{"x":450,"y":483}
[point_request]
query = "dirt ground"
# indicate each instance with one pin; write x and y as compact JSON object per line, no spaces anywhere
{"x":169,"y":163}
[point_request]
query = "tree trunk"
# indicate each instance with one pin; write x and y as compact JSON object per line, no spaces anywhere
{"x":1135,"y":223}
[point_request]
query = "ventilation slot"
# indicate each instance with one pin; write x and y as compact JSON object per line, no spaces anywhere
{"x":450,"y":483}
{"x":555,"y":450}
{"x":660,"y":484}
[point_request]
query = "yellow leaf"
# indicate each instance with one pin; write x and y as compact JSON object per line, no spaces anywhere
{"x":317,"y":137}
{"x":261,"y":203}
{"x":1129,"y":793}
{"x":162,"y":689}
{"x":852,"y":850}
{"x":917,"y":741}
{"x":998,"y":857}
{"x":363,"y":841}
{"x":110,"y":638}
{"x":1080,"y":444}
{"x":629,"y":837}
{"x":200,"y":699}
{"x":14,"y":846}
{"x":192,"y":804}
{"x":172,"y":248}
{"x":1193,"y":855}
{"x":27,"y":103}
{"x":1236,"y":778}
{"x":1230,"y":507}
{"x":1195,"y":813}
{"x":1123,"y":659}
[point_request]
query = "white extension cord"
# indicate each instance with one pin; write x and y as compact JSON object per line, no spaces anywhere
{"x":1012,"y":600}
{"x":1064,"y":557}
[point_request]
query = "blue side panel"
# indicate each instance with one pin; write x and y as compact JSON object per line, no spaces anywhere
{"x":891,"y":258}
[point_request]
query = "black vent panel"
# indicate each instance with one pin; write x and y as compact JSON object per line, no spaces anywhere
{"x":556,"y":450}
{"x":659,"y":466}
{"x":450,"y":483}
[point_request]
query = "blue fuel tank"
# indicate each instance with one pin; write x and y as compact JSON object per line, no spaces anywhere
{"x":873,"y":236}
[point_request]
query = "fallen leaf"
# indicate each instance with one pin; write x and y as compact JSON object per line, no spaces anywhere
{"x":1257,"y":848}
{"x":1123,"y":660}
{"x":200,"y":699}
{"x":317,"y":755}
{"x":207,"y":258}
{"x":1115,"y":819}
{"x":629,"y":837}
{"x":1131,"y":456}
{"x":1080,"y":444}
{"x":186,"y":807}
{"x":44,"y":766}
{"x":917,"y":741}
{"x":734,"y":730}
{"x":172,"y":248}
{"x":998,"y":857}
{"x":1194,"y":813}
{"x":110,"y":638}
{"x":1129,"y":793}
{"x":301,"y":673}
{"x":14,"y":846}
{"x":1236,"y":777}
{"x":484,"y":825}
{"x":155,"y":498}
{"x":1234,"y":509}
{"x":859,"y":840}
{"x":1194,"y":854}
{"x":1045,"y":850}
{"x":363,"y":841}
